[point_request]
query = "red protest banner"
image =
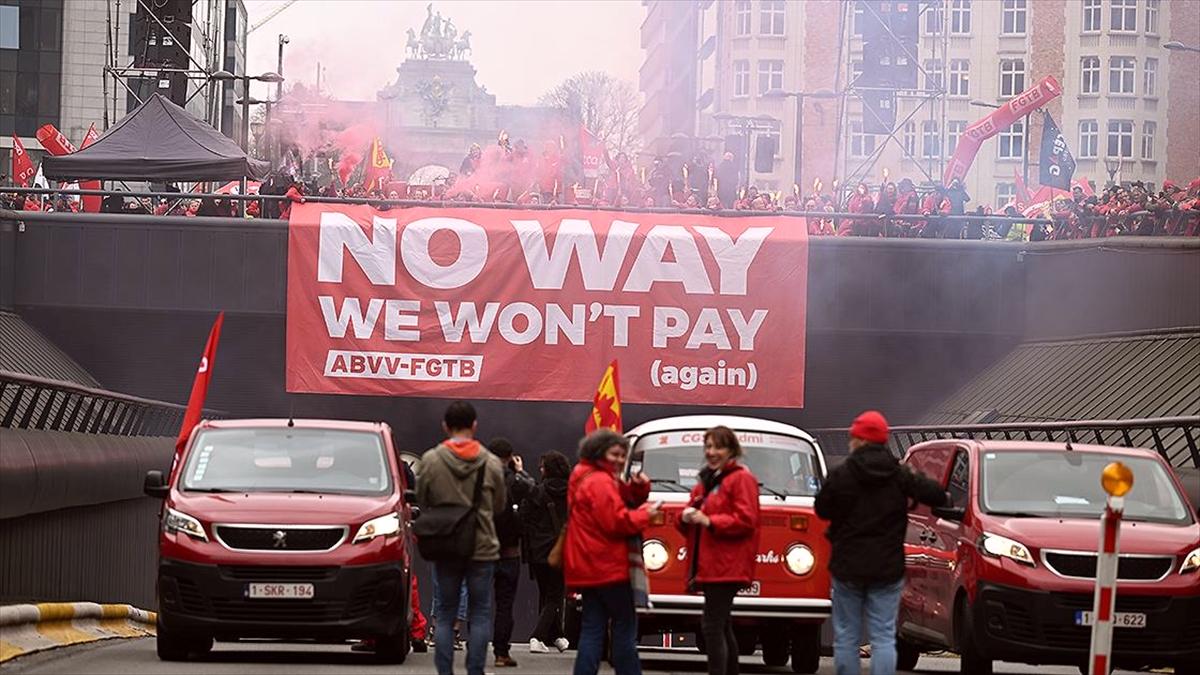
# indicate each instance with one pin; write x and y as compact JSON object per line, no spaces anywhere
{"x":510,"y":304}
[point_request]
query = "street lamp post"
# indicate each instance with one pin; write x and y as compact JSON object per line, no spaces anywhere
{"x":797,"y":161}
{"x":1178,"y":46}
{"x":1024,"y":138}
{"x":246,"y":101}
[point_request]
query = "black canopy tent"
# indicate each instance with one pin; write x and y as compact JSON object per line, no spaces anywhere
{"x":158,"y":142}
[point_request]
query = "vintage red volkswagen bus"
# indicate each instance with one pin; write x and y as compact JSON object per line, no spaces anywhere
{"x":782,"y":611}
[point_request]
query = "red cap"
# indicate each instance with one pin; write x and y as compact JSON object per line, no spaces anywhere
{"x":871,"y":426}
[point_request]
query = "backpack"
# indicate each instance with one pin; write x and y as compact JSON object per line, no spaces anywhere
{"x":447,"y":531}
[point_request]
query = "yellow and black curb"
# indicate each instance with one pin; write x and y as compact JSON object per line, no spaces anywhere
{"x":31,"y":628}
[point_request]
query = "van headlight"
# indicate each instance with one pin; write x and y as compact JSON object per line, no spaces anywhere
{"x":1191,"y":562}
{"x":178,"y":521}
{"x":995,"y":546}
{"x":799,"y":559}
{"x":383,"y":526}
{"x":655,"y":555}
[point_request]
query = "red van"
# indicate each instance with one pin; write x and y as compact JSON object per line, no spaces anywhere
{"x":1007,"y":570}
{"x":789,"y":599}
{"x":288,"y":529}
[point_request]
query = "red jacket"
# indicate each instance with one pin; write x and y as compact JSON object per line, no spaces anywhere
{"x":727,"y":548}
{"x":598,"y":523}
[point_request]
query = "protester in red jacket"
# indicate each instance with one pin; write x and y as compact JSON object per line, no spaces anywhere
{"x":602,"y":515}
{"x":721,"y":524}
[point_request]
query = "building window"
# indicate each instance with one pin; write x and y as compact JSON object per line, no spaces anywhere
{"x":1151,"y":17}
{"x":1150,"y":78}
{"x":741,"y":17}
{"x":933,"y":75}
{"x":954,"y":129}
{"x":860,"y":17}
{"x":770,"y":76}
{"x":1006,"y":193}
{"x":10,"y":27}
{"x":960,"y":77}
{"x":1012,"y":141}
{"x":1148,"y":129}
{"x":1092,"y":12}
{"x":1012,"y":76}
{"x":960,"y":17}
{"x":861,"y":145}
{"x":1013,"y":17}
{"x":770,"y":15}
{"x":1089,"y":139}
{"x":931,"y":140}
{"x":776,"y":136}
{"x":1123,"y":16}
{"x":1089,"y":70}
{"x":910,"y":139}
{"x":1120,"y":138}
{"x":933,"y":18}
{"x":741,"y":78}
{"x":1120,"y":74}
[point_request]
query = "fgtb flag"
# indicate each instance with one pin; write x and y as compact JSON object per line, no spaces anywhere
{"x":22,"y":166}
{"x":195,"y":407}
{"x":606,"y":407}
{"x":379,"y":166}
{"x":1057,"y":164}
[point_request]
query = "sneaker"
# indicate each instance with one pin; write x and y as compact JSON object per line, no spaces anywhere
{"x":505,"y":662}
{"x":459,"y":643}
{"x":536,"y":646}
{"x":561,"y":644}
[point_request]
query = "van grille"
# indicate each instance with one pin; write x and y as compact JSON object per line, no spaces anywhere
{"x":278,"y":573}
{"x":1129,"y":568}
{"x":267,"y":538}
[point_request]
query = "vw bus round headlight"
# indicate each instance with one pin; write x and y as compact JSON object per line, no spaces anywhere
{"x":655,"y":555}
{"x":799,"y":559}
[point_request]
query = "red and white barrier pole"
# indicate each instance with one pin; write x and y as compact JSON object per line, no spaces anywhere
{"x":1117,"y":480}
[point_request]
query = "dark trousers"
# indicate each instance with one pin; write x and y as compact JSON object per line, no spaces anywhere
{"x":551,"y":593}
{"x":717,"y":628}
{"x":508,"y":575}
{"x":601,"y":605}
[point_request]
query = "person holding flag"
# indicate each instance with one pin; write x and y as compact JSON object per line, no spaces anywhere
{"x":602,"y":551}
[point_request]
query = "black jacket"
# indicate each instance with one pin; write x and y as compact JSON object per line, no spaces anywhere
{"x":517,"y":485}
{"x":543,"y":512}
{"x":866,"y":501}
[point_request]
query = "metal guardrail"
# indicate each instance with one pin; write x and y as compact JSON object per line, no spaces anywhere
{"x":1176,"y":439}
{"x":29,"y":402}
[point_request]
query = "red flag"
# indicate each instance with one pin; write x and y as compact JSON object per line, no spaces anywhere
{"x":591,"y":152}
{"x":22,"y":166}
{"x":379,"y":166}
{"x":1022,"y":190}
{"x":606,"y":407}
{"x":195,"y":405}
{"x":91,"y":203}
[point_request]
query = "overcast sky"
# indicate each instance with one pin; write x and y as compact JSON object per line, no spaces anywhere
{"x":521,"y":47}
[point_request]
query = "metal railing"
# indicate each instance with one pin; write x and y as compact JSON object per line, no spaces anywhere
{"x":29,"y":402}
{"x":1176,"y":439}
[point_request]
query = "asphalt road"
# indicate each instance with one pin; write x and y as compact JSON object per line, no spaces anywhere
{"x":121,"y":657}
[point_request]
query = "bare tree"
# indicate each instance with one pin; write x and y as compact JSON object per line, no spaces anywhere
{"x":608,"y":107}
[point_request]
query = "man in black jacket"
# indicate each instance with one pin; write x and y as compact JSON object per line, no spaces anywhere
{"x":866,"y":501}
{"x":517,"y":485}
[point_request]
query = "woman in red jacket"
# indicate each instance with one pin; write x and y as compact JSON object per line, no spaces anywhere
{"x":602,"y":514}
{"x":721,"y":523}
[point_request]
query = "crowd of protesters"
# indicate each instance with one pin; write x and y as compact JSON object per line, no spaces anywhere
{"x":509,"y":173}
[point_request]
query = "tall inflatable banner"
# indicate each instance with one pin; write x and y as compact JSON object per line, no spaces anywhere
{"x":1000,"y":119}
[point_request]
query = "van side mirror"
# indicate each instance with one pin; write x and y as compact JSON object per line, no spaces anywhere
{"x":410,"y":496}
{"x":154,"y":485}
{"x":955,"y":513}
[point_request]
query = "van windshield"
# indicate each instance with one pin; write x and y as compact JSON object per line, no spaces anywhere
{"x":783,"y":465}
{"x":326,"y":461}
{"x":1062,"y":484}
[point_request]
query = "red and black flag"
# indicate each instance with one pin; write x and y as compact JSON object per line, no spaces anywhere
{"x":1056,"y":162}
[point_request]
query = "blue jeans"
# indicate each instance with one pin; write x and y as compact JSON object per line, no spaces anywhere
{"x":879,"y":603}
{"x":462,"y":602}
{"x":479,"y":576}
{"x":600,"y":605}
